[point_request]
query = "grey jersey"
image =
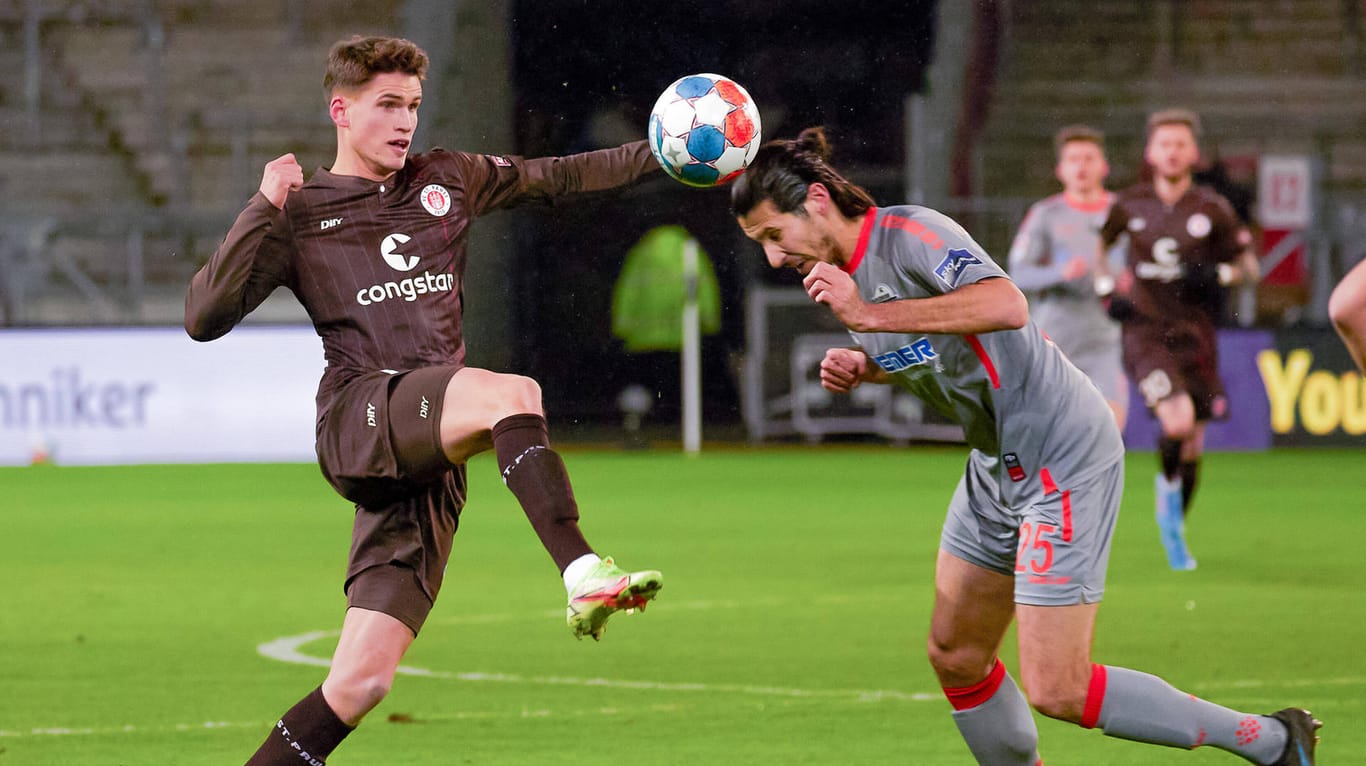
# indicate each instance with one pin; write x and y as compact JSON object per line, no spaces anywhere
{"x":1054,"y":232}
{"x":1022,"y":405}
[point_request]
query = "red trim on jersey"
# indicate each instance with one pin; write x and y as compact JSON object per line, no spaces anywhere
{"x":1095,"y":695}
{"x":1049,"y":487}
{"x":1067,"y":515}
{"x":986,"y":360}
{"x":862,"y":247}
{"x":965,"y":697}
{"x":1088,"y":207}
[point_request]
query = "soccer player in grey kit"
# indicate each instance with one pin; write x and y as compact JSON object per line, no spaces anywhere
{"x":374,"y":248}
{"x":1050,"y":261}
{"x":1028,"y":532}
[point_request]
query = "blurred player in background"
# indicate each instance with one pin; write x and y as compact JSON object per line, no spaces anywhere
{"x":374,"y":248}
{"x":1347,"y":309}
{"x":1185,"y":246}
{"x":1028,"y":531}
{"x":1050,"y":261}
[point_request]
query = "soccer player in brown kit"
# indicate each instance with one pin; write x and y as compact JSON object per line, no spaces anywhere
{"x":1185,"y":244}
{"x":374,"y":248}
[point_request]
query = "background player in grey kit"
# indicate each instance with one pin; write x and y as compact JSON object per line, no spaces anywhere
{"x":1185,"y":245}
{"x":1028,"y":531}
{"x":1051,"y":258}
{"x":374,"y":248}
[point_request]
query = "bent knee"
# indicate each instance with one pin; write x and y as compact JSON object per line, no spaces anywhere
{"x":1059,"y":708}
{"x":356,"y":695}
{"x":959,"y":665}
{"x":1062,"y":702}
{"x":1178,"y":421}
{"x":525,"y":392}
{"x":482,"y":395}
{"x":1343,"y":307}
{"x":514,"y":395}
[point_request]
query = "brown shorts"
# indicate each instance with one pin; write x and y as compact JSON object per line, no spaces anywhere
{"x":380,"y":447}
{"x":1165,"y":359}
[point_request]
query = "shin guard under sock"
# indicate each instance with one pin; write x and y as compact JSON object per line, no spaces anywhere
{"x":1137,"y":706}
{"x":995,"y":720}
{"x":537,"y":477}
{"x":1190,"y":472}
{"x":305,"y":735}
{"x":1169,"y":452}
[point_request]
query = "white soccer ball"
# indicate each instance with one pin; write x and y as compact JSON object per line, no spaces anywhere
{"x":704,"y":130}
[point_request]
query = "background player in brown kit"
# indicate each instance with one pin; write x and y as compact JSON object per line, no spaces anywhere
{"x":1185,"y":243}
{"x":374,"y":248}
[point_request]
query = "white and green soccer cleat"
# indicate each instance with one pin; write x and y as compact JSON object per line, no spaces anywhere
{"x":605,"y":589}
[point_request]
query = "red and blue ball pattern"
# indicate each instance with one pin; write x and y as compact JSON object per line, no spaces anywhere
{"x":704,"y":130}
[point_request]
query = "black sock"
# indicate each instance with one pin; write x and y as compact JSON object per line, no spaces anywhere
{"x":537,"y":477}
{"x":305,"y":735}
{"x":1169,"y":451}
{"x":1190,"y":472}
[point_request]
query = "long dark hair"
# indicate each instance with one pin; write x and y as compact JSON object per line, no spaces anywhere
{"x":782,"y":171}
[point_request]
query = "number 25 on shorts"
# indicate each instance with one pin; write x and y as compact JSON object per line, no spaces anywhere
{"x":1036,"y":552}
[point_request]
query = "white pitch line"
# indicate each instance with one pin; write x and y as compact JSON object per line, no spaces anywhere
{"x":77,"y":731}
{"x":287,"y":649}
{"x":70,"y":731}
{"x":1296,"y":683}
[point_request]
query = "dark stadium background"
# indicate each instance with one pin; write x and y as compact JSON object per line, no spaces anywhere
{"x":847,"y":66}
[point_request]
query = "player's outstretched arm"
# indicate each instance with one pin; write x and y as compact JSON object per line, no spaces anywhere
{"x":550,"y":177}
{"x":251,"y":261}
{"x":987,"y":306}
{"x":1347,"y":309}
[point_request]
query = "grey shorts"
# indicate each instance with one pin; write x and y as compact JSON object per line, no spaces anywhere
{"x":1057,"y":549}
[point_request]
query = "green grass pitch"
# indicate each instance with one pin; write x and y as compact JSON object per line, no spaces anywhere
{"x":790,"y":629}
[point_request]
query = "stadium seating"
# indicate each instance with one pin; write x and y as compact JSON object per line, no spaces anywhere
{"x":172,"y":142}
{"x":1265,"y":76}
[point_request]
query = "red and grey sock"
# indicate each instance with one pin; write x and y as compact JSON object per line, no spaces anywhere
{"x":995,"y":721}
{"x":1137,"y":706}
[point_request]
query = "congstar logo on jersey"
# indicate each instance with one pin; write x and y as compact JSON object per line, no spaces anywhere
{"x":407,"y":288}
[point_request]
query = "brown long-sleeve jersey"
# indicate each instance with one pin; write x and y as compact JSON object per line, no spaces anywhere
{"x":379,"y":265}
{"x":1166,"y":242}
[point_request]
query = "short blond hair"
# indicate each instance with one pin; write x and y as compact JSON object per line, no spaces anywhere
{"x":1072,"y":133}
{"x":1174,"y":117}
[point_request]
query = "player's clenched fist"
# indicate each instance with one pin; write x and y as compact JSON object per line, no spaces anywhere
{"x":829,"y":284}
{"x":283,"y":175}
{"x":842,"y":369}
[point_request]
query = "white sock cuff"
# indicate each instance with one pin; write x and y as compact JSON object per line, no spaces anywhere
{"x":578,"y":568}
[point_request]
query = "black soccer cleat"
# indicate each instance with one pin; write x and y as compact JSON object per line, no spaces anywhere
{"x":1300,"y":728}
